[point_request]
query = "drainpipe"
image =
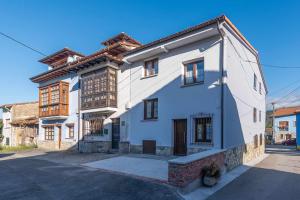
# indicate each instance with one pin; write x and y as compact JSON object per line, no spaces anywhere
{"x":78,"y":132}
{"x":222,"y":85}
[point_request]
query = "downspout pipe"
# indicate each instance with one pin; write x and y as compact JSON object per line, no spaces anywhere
{"x":222,"y":84}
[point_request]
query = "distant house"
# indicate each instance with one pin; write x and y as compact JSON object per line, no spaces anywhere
{"x":285,"y":123}
{"x":20,"y":123}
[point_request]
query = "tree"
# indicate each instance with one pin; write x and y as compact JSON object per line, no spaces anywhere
{"x":1,"y":127}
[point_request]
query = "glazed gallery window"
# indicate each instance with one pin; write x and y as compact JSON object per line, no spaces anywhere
{"x":49,"y":133}
{"x":151,"y":67}
{"x":54,"y":99}
{"x":194,"y":72}
{"x":151,"y":109}
{"x":203,"y":129}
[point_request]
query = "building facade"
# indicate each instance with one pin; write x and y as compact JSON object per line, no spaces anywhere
{"x":197,"y":89}
{"x":20,"y":124}
{"x":285,"y":123}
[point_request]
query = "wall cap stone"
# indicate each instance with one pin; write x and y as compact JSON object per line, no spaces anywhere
{"x":196,"y":156}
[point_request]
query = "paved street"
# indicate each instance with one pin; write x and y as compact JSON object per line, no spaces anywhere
{"x":275,"y":178}
{"x":37,"y":177}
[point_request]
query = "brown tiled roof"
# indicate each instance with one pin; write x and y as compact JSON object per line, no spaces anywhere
{"x":286,"y":111}
{"x":119,"y":37}
{"x":13,"y":104}
{"x":189,"y":30}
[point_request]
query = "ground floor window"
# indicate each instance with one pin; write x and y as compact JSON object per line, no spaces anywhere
{"x":49,"y":133}
{"x":260,"y":139}
{"x":203,"y":130}
{"x":70,"y":130}
{"x":255,"y":141}
{"x":7,"y":141}
{"x":150,"y":109}
{"x":93,"y":127}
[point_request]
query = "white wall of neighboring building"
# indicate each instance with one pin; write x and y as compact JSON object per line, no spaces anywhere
{"x":7,"y":129}
{"x":72,"y":79}
{"x":240,"y":95}
{"x":174,"y":100}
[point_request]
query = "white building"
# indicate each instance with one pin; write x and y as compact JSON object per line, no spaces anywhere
{"x":197,"y":89}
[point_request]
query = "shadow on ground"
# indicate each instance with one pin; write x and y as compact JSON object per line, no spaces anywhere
{"x":36,"y":175}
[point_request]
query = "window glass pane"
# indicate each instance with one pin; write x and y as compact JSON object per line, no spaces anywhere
{"x":148,"y":109}
{"x":189,"y":74}
{"x":200,"y":71}
{"x":155,"y":107}
{"x":155,"y":63}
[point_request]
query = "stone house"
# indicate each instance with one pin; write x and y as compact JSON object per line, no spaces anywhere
{"x":201,"y":88}
{"x":20,"y":123}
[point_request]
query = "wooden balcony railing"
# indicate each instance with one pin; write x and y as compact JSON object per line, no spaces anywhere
{"x":54,"y":110}
{"x":101,"y":100}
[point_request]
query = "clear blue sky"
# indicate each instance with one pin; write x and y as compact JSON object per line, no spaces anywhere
{"x":271,"y":26}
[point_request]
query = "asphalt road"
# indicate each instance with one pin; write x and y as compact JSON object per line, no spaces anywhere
{"x":31,"y":178}
{"x":275,"y":178}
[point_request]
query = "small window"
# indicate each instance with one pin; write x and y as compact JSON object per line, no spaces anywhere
{"x":71,"y":131}
{"x":151,"y":109}
{"x":283,"y":126}
{"x":194,"y":73}
{"x":203,"y":129}
{"x":259,"y":88}
{"x":151,"y":67}
{"x":7,"y":123}
{"x":7,"y":141}
{"x":254,"y":114}
{"x":259,"y":116}
{"x":49,"y":133}
{"x":255,"y":141}
{"x":255,"y":82}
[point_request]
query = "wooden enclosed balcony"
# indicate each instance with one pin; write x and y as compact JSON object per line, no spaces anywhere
{"x":54,"y":100}
{"x":99,"y":89}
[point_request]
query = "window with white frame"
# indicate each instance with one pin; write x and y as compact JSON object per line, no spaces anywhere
{"x":151,"y":67}
{"x":194,"y":72}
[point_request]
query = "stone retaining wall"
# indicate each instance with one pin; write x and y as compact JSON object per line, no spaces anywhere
{"x":187,"y":171}
{"x":94,"y":146}
{"x":53,"y":145}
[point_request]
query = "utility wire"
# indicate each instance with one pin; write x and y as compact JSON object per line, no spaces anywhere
{"x":274,"y":66}
{"x":21,"y":43}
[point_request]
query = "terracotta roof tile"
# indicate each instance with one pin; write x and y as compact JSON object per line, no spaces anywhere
{"x":286,"y":111}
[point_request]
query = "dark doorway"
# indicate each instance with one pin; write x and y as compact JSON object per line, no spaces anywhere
{"x":59,"y":137}
{"x":180,"y":143}
{"x":115,"y":136}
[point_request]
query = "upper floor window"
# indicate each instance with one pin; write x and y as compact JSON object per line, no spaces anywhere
{"x":255,"y":82}
{"x":294,"y":123}
{"x":99,"y":89}
{"x":254,"y":114}
{"x":259,"y":116}
{"x":151,"y":67}
{"x":194,"y":72}
{"x":150,"y":109}
{"x":283,"y":126}
{"x":259,"y":85}
{"x":54,"y":99}
{"x":7,"y":123}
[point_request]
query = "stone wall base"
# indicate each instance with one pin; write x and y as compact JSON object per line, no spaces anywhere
{"x":160,"y":150}
{"x":94,"y":146}
{"x":54,"y":146}
{"x":242,"y":154}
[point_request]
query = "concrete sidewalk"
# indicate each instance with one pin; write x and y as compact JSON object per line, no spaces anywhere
{"x":136,"y":166}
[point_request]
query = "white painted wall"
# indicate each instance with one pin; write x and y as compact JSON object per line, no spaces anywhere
{"x":7,"y":129}
{"x":241,"y":97}
{"x":174,"y":101}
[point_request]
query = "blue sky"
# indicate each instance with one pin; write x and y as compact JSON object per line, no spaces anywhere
{"x":271,"y":26}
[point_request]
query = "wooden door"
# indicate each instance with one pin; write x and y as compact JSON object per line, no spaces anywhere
{"x":115,"y":134}
{"x":180,"y":141}
{"x":59,"y":137}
